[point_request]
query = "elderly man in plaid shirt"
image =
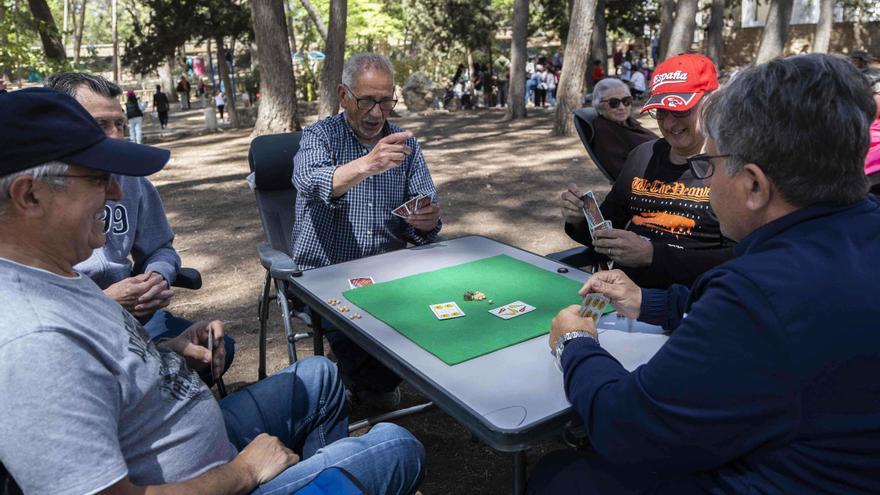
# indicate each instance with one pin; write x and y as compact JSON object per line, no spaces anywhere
{"x":352,"y":169}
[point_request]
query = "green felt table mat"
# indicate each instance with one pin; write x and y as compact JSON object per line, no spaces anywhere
{"x":403,"y":304}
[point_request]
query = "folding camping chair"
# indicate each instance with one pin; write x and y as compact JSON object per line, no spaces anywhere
{"x":271,"y":163}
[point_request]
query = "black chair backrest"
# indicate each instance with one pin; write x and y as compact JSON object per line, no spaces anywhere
{"x":271,"y":160}
{"x":7,"y":484}
{"x":584,"y":120}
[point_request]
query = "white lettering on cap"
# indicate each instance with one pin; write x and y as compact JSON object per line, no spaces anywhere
{"x":678,"y":76}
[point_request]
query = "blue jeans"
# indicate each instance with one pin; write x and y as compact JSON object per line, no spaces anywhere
{"x":304,"y":405}
{"x":164,"y":325}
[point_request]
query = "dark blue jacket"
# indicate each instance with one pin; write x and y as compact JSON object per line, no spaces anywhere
{"x":770,"y":381}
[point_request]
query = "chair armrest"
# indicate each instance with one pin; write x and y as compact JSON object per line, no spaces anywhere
{"x":280,"y":265}
{"x":577,"y":257}
{"x":188,"y":278}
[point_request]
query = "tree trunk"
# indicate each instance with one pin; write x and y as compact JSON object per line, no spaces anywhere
{"x":114,"y":26}
{"x":667,"y":18}
{"x":49,"y":35}
{"x":570,"y":90}
{"x":599,"y":45}
{"x":313,"y":15}
{"x":775,"y":31}
{"x":227,"y":83}
{"x":715,"y":32}
{"x":79,"y":27}
{"x":822,"y":42}
{"x":65,"y":23}
{"x":278,"y":110}
{"x":682,"y":28}
{"x":334,"y":54}
{"x":166,"y":78}
{"x":516,"y":81}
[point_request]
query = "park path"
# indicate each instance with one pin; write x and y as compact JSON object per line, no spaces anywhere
{"x":497,"y":179}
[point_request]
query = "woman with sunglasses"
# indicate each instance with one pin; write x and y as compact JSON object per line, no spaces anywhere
{"x":617,"y":132}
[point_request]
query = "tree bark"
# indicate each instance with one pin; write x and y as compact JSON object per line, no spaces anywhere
{"x":667,"y":18}
{"x":278,"y":107}
{"x":715,"y":32}
{"x":682,"y":28}
{"x":114,"y":26}
{"x":227,"y":83}
{"x":313,"y":15}
{"x":65,"y":23}
{"x":599,"y":44}
{"x":775,"y":31}
{"x":571,"y":87}
{"x":79,"y":27}
{"x":516,"y":81}
{"x":166,"y":79}
{"x":334,"y":54}
{"x":49,"y":35}
{"x":822,"y":42}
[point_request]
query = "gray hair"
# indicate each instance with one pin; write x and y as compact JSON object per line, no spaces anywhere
{"x":804,"y":120}
{"x":873,"y":76}
{"x":44,"y":170}
{"x":604,"y":86}
{"x":363,"y":62}
{"x":70,"y":82}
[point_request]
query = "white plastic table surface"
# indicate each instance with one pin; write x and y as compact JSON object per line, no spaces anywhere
{"x":509,"y":398}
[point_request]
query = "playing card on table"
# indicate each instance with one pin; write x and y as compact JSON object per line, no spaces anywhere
{"x":446,"y":311}
{"x":356,"y":282}
{"x":594,"y":306}
{"x":591,"y":210}
{"x":512,"y":310}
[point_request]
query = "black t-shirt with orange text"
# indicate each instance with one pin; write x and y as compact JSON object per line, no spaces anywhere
{"x":665,"y":203}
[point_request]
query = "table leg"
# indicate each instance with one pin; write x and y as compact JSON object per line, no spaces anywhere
{"x":519,"y":472}
{"x":318,"y":333}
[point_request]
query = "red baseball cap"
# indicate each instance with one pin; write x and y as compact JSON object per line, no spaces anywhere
{"x":679,"y":82}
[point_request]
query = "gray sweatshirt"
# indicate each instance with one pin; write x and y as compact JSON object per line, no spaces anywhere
{"x":139,"y":238}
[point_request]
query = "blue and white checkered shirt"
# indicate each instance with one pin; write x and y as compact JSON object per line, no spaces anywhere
{"x":359,"y":223}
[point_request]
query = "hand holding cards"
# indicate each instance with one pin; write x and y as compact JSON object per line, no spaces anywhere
{"x":412,"y":206}
{"x":594,"y":306}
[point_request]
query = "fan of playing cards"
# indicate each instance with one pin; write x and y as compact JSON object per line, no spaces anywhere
{"x":412,"y":206}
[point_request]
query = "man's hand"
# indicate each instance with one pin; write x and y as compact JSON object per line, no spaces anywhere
{"x":572,"y":205}
{"x":569,"y":320}
{"x":142,"y":293}
{"x":265,"y":457}
{"x":192,"y":344}
{"x":388,"y":153}
{"x":624,"y":247}
{"x":426,"y":219}
{"x":625,"y":295}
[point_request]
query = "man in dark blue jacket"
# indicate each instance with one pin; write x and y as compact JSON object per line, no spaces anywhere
{"x":769,"y":381}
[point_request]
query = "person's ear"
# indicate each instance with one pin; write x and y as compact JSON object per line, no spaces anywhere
{"x":29,"y":196}
{"x":340,"y":91}
{"x":756,"y":187}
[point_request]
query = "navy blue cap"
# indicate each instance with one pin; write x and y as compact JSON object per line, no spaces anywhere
{"x":38,"y":125}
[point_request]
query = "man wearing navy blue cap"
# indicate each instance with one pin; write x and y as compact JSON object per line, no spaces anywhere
{"x":89,"y":403}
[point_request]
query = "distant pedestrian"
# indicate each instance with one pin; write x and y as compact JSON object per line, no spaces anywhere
{"x":134,"y":112}
{"x":598,"y":72}
{"x":617,"y":58}
{"x":183,"y":90}
{"x":161,"y":106}
{"x":220,"y":101}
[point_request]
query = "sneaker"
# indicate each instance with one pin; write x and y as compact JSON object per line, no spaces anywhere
{"x":384,"y":401}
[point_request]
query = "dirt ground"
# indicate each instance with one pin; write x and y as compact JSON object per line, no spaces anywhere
{"x":500,"y":180}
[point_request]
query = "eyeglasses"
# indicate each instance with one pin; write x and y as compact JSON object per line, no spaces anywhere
{"x":101,"y":180}
{"x":662,"y":113}
{"x":386,"y":104}
{"x":615,"y":102}
{"x":701,"y":165}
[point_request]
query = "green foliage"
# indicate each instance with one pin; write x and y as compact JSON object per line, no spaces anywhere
{"x":174,"y":22}
{"x":20,"y":49}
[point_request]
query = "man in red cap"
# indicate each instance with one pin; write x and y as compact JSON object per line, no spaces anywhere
{"x":664,"y":231}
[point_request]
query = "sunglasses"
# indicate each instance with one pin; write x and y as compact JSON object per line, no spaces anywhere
{"x":615,"y":102}
{"x":662,"y":113}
